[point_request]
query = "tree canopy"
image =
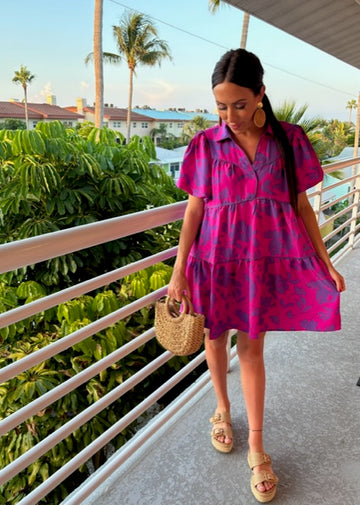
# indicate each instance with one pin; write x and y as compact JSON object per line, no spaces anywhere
{"x":24,"y":77}
{"x":137,"y":42}
{"x":54,"y":178}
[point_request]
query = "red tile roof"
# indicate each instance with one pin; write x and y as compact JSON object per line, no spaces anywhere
{"x":36,"y":111}
{"x":13,"y":111}
{"x":114,"y":113}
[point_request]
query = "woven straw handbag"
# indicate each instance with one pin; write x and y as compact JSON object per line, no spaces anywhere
{"x":182,"y":333}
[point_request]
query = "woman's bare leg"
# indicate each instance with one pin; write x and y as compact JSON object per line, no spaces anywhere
{"x":216,"y":357}
{"x":252,"y":370}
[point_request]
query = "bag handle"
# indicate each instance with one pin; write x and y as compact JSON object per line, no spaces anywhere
{"x":173,"y":310}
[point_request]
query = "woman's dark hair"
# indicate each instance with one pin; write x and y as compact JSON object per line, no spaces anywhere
{"x":244,"y":69}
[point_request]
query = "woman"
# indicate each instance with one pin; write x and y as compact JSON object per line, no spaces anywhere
{"x":250,"y":254}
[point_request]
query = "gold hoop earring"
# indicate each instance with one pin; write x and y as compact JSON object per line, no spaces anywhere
{"x":259,"y":116}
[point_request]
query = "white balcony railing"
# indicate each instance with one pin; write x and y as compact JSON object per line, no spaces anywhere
{"x":342,"y":233}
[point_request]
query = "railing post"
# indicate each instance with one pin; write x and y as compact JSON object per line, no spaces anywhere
{"x":318,"y":199}
{"x":355,"y":171}
{"x":354,"y":212}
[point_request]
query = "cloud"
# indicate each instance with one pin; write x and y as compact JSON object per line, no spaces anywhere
{"x":84,"y":85}
{"x":47,"y":90}
{"x":40,"y":96}
{"x":160,"y":93}
{"x":153,"y":90}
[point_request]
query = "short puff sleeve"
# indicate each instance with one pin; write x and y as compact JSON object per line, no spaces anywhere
{"x":195,"y":173}
{"x":307,"y":166}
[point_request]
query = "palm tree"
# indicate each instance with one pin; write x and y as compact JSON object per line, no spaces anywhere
{"x":352,"y":104}
{"x":137,"y":43}
{"x":24,"y":77}
{"x":287,"y":112}
{"x":98,"y":64}
{"x":213,"y":7}
{"x":328,"y":138}
{"x":159,"y":134}
{"x":197,"y":124}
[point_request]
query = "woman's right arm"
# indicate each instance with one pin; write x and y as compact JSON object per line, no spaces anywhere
{"x":191,"y":224}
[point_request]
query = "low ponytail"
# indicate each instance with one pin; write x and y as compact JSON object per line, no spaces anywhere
{"x":286,"y":150}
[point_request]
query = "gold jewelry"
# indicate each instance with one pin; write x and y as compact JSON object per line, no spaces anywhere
{"x":259,"y":116}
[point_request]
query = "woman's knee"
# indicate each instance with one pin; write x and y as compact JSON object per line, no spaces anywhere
{"x":216,"y":343}
{"x":250,"y":349}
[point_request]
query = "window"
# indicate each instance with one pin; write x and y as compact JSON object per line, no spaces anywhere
{"x":144,"y":125}
{"x":134,"y":124}
{"x":180,"y":125}
{"x":174,"y":167}
{"x":170,"y":125}
{"x":35,"y":123}
{"x":117,"y":124}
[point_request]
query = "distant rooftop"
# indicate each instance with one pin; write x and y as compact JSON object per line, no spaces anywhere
{"x":175,"y":115}
{"x":170,"y":155}
{"x":113,"y":113}
{"x":37,"y":111}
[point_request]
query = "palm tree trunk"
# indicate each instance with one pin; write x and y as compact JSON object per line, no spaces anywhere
{"x":98,"y":64}
{"x":26,"y":108}
{"x":128,"y":120}
{"x":245,"y":28}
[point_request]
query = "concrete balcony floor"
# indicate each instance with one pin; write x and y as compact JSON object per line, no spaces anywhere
{"x":311,"y":430}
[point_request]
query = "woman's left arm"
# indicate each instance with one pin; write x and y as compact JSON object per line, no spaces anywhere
{"x":307,"y":215}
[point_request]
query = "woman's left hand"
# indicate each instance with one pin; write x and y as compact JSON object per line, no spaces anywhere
{"x":338,"y":279}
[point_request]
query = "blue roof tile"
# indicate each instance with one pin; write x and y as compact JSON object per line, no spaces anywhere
{"x":173,"y":115}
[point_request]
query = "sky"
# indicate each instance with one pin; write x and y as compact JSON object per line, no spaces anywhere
{"x":53,"y":38}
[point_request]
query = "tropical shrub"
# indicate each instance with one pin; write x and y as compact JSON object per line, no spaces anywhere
{"x":53,"y":178}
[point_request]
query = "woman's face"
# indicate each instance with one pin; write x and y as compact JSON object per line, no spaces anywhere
{"x":236,"y":106}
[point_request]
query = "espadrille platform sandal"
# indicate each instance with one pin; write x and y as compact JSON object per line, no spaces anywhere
{"x":226,"y":432}
{"x":256,"y":459}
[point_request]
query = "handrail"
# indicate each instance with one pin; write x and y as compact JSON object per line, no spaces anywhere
{"x":339,"y":165}
{"x":51,"y":245}
{"x":30,"y":251}
{"x":32,"y":308}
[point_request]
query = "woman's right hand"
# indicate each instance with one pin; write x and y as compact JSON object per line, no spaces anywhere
{"x":178,"y":285}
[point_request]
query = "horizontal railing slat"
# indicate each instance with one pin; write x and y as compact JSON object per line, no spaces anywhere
{"x":32,"y":308}
{"x":54,"y":348}
{"x":51,"y":245}
{"x":74,"y":382}
{"x":66,"y":429}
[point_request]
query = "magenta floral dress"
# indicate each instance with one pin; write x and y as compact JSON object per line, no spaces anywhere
{"x":252,"y":266}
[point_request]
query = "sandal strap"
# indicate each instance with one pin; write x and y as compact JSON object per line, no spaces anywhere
{"x":221,"y":417}
{"x":222,"y":432}
{"x":258,"y":458}
{"x":264,"y":476}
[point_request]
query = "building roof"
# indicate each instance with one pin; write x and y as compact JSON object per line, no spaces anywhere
{"x":206,"y":115}
{"x":329,"y":25}
{"x":168,"y":155}
{"x":38,"y":111}
{"x":175,"y":115}
{"x":113,"y":113}
{"x":165,"y":115}
{"x":13,"y":111}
